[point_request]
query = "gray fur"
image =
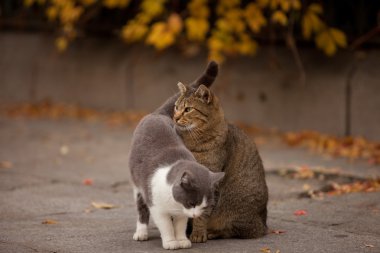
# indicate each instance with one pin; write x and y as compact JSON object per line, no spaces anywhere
{"x":156,"y":144}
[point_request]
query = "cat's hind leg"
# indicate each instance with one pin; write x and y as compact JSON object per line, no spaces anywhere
{"x":141,"y":233}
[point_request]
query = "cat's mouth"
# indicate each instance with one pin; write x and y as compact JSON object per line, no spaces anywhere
{"x":185,"y":127}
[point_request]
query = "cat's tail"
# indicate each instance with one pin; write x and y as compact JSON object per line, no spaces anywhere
{"x":208,"y":76}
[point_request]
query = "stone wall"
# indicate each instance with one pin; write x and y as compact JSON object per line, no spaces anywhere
{"x":341,"y":94}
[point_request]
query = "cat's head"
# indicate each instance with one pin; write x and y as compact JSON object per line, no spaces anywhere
{"x":197,"y":109}
{"x":193,"y":186}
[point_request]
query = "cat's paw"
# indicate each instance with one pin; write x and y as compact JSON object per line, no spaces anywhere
{"x":184,"y":243}
{"x":198,"y":236}
{"x":170,"y":244}
{"x":140,"y":236}
{"x":212,"y":236}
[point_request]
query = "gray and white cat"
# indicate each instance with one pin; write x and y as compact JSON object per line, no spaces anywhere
{"x":169,"y":184}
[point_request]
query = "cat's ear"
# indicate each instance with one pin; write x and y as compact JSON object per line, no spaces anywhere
{"x":204,"y":93}
{"x":216,"y":177}
{"x":182,"y":88}
{"x":186,"y":180}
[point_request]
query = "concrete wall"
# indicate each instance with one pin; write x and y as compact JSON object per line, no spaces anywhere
{"x":263,"y":90}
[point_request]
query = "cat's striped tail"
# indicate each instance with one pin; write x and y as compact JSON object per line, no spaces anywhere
{"x":208,"y":76}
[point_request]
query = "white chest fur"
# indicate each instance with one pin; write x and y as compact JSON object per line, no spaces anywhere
{"x":162,"y":196}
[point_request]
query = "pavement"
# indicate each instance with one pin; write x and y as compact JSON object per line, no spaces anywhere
{"x":55,"y":170}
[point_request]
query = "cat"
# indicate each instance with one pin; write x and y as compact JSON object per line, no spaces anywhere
{"x":168,"y":183}
{"x":241,"y":208}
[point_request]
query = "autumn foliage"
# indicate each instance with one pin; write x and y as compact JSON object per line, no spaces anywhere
{"x":225,"y":27}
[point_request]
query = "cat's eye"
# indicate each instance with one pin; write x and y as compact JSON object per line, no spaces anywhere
{"x":188,"y":109}
{"x":176,"y":107}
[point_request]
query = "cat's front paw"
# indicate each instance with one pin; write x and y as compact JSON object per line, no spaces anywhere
{"x":140,"y":236}
{"x":170,"y":244}
{"x":198,"y":236}
{"x":184,"y":243}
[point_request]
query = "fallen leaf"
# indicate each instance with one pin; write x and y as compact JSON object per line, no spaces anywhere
{"x":6,"y":165}
{"x":102,"y":205}
{"x":278,"y":251}
{"x":87,"y":181}
{"x":277,"y":232}
{"x":265,"y":250}
{"x":64,"y":150}
{"x":369,"y":246}
{"x":300,"y":212}
{"x":49,"y":222}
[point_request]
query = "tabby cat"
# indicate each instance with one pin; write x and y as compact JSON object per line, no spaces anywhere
{"x":241,"y":210}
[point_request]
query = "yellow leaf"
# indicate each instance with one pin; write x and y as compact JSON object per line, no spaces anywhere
{"x":247,"y":46}
{"x":102,"y":205}
{"x":306,"y":26}
{"x":175,"y":23}
{"x":52,"y":12}
{"x":254,"y":17}
{"x":285,"y":5}
{"x":280,"y":18}
{"x":339,"y":37}
{"x":61,"y":43}
{"x":316,"y":8}
{"x":295,"y":4}
{"x":153,"y":7}
{"x":133,"y":31}
{"x":196,"y":28}
{"x":49,"y":222}
{"x":325,"y":42}
{"x":311,"y":23}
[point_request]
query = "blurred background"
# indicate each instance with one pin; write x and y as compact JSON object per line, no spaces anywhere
{"x":285,"y":64}
{"x":301,"y":78}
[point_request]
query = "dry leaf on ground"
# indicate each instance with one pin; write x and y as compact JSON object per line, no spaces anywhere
{"x":278,"y":232}
{"x":102,"y":205}
{"x":265,"y":250}
{"x":87,"y":181}
{"x":6,"y":165}
{"x":49,"y":222}
{"x":64,"y":150}
{"x":300,"y":212}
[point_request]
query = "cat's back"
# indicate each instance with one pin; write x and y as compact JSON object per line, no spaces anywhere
{"x":154,"y":131}
{"x":244,"y":162}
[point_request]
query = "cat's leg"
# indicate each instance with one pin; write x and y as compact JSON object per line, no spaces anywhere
{"x":141,"y":233}
{"x":180,"y":224}
{"x":199,"y":233}
{"x":164,"y":224}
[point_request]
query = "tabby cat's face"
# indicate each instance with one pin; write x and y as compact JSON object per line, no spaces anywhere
{"x":196,"y":109}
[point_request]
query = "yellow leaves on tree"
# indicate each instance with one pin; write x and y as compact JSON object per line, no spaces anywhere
{"x":311,"y":23}
{"x":134,"y":31}
{"x":163,"y":34}
{"x":229,"y":31}
{"x":112,"y":4}
{"x":279,"y":17}
{"x":197,"y":24}
{"x":254,"y":17}
{"x":329,"y":39}
{"x":137,"y":28}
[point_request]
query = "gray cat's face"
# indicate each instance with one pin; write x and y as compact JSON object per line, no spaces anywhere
{"x":194,"y":187}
